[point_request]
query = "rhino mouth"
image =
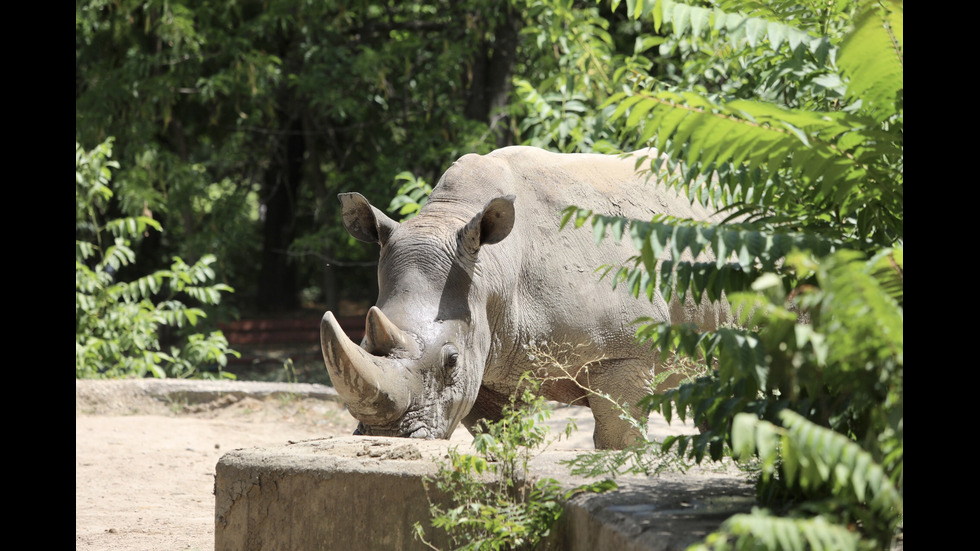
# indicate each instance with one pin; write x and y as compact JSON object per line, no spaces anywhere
{"x":418,"y":432}
{"x":422,"y":432}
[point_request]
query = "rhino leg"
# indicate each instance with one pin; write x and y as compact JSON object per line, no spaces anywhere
{"x":488,"y":407}
{"x":626,"y":381}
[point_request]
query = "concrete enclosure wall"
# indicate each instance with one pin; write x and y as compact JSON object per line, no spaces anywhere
{"x":366,"y":493}
{"x":346,"y":494}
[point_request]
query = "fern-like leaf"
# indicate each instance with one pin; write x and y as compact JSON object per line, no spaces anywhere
{"x":872,"y":57}
{"x":811,"y":456}
{"x":762,"y":530}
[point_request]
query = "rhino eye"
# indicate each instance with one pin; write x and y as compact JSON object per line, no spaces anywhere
{"x":450,"y":356}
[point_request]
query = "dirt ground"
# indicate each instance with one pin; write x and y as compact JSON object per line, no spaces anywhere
{"x":144,"y":467}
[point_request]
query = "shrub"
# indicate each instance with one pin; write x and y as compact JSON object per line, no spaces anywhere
{"x":798,"y":130}
{"x":120,"y":324}
{"x":494,"y":502}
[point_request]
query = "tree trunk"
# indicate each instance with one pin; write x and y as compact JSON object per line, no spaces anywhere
{"x":327,"y":212}
{"x":278,"y":289}
{"x":491,"y":72}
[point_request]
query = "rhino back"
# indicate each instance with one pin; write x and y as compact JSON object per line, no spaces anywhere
{"x":547,"y":182}
{"x":612,"y":186}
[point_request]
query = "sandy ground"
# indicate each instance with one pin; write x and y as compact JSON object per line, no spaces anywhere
{"x":144,"y":467}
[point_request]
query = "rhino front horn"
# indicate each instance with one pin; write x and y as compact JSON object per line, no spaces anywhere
{"x":374,"y":388}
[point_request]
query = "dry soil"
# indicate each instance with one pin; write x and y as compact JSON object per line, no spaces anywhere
{"x":144,"y":468}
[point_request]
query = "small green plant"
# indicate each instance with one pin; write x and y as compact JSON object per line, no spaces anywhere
{"x":495,"y":503}
{"x":177,"y":405}
{"x":289,"y":370}
{"x":120,"y":324}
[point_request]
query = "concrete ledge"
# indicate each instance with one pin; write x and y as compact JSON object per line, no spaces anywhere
{"x":666,"y":513}
{"x":117,"y":393}
{"x":365,"y":493}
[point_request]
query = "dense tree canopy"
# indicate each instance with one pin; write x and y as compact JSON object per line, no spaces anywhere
{"x":236,"y":123}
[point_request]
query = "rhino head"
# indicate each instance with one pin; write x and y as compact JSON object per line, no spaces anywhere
{"x":418,"y":370}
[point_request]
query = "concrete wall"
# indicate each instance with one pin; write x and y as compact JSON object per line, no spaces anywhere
{"x":347,"y":494}
{"x":366,"y":493}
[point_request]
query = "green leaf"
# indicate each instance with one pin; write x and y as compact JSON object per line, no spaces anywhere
{"x":700,"y":19}
{"x":680,"y":18}
{"x":872,"y":57}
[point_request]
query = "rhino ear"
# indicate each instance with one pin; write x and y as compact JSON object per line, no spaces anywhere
{"x":491,"y":225}
{"x":363,"y":221}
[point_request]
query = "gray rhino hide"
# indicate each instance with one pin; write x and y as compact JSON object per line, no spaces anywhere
{"x":481,"y":287}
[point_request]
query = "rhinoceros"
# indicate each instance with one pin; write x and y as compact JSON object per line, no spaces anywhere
{"x":481,"y":273}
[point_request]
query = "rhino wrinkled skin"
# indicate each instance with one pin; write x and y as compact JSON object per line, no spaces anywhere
{"x":481,"y":285}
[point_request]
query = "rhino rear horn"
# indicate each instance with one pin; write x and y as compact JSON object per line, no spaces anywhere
{"x":376,"y":390}
{"x":381,"y":336}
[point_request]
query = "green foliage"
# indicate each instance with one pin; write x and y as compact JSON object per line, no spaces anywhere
{"x":566,"y":51}
{"x":841,"y":368}
{"x":411,"y":195}
{"x":763,"y":530}
{"x":790,"y":118}
{"x":819,"y":461}
{"x":237,"y":124}
{"x":120,"y":323}
{"x":877,"y":82}
{"x":495,"y":505}
{"x":572,"y":58}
